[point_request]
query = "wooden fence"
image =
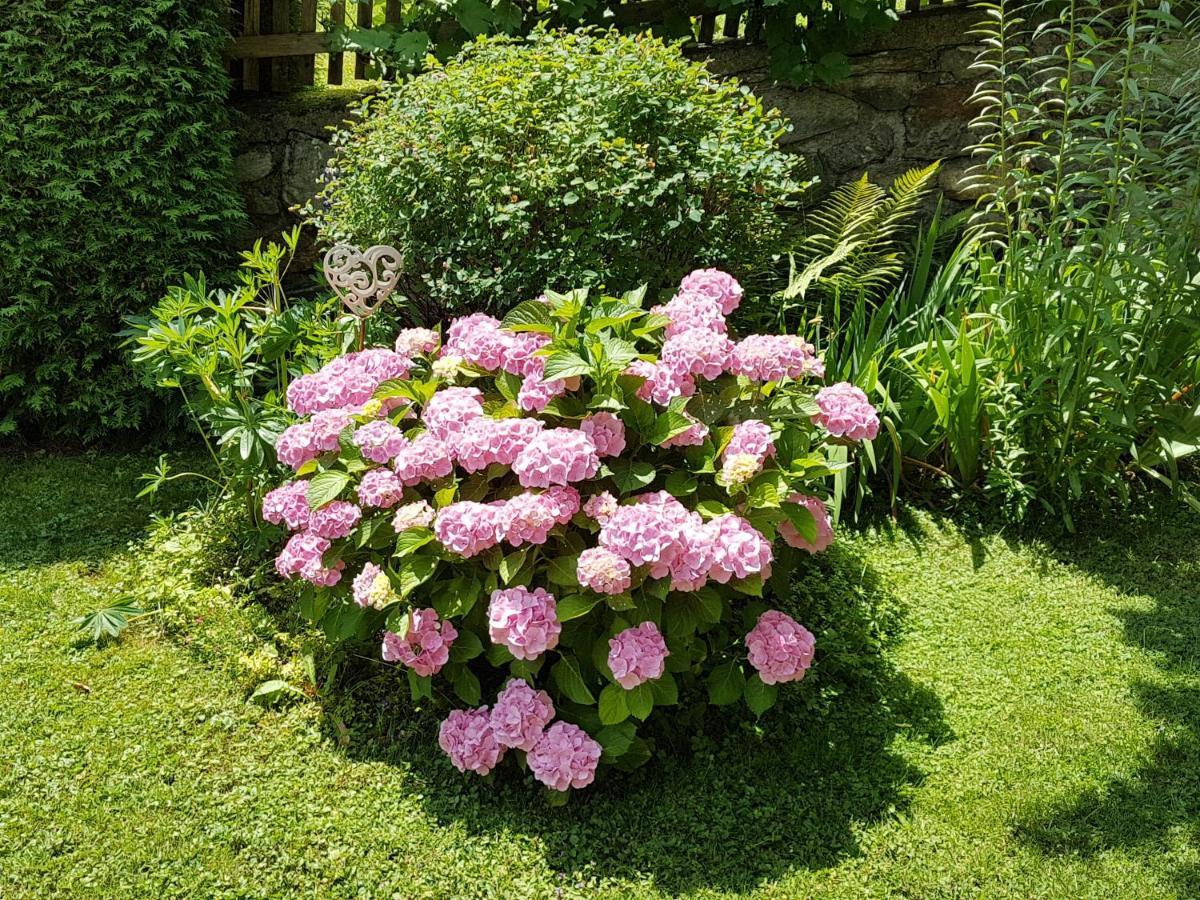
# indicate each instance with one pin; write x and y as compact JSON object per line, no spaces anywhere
{"x":276,"y":42}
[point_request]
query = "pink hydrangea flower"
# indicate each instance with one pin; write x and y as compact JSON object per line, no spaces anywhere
{"x":603,"y":571}
{"x":466,"y":737}
{"x":425,"y":459}
{"x":379,"y":440}
{"x":687,"y":311}
{"x":637,"y":655}
{"x":468,"y":528}
{"x":643,"y":532}
{"x":846,"y":412}
{"x":524,"y":621}
{"x":748,"y":448}
{"x":774,"y":357}
{"x":371,"y":587}
{"x":478,"y":339}
{"x":557,"y":456}
{"x":449,"y":410}
{"x":564,"y":757}
{"x":820,"y":513}
{"x":697,"y":351}
{"x":308,"y":440}
{"x":780,"y":648}
{"x":740,"y":550}
{"x":607,"y":433}
{"x":412,"y":342}
{"x":303,"y":555}
{"x":536,"y":394}
{"x":713,"y":284}
{"x":485,"y":441}
{"x":662,"y":384}
{"x":600,"y":507}
{"x":380,"y":488}
{"x":693,"y":437}
{"x":529,"y":518}
{"x":334,"y":520}
{"x":413,"y":515}
{"x":348,"y":381}
{"x":287,"y":505}
{"x":564,"y":500}
{"x":690,"y":558}
{"x":519,"y":349}
{"x":520,"y":715}
{"x":426,"y":646}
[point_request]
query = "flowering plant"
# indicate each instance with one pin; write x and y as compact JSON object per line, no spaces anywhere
{"x":576,"y":511}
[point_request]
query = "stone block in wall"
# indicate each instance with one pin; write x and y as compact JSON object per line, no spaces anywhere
{"x":837,"y":153}
{"x":253,"y":164}
{"x":303,"y":164}
{"x":812,"y":112}
{"x":936,"y":122}
{"x":882,"y":91}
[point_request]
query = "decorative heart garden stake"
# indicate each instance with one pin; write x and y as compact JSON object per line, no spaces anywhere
{"x":363,"y":280}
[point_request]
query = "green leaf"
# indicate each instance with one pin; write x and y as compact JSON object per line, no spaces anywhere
{"x":667,"y":425}
{"x":456,"y":597}
{"x":412,"y":539}
{"x":498,"y":655}
{"x":108,"y":622}
{"x":562,"y":570}
{"x":710,"y":605}
{"x":631,"y":476}
{"x":616,"y":739}
{"x":511,"y":565}
{"x":760,"y":697}
{"x":419,"y":686}
{"x":530,"y":315}
{"x":666,"y":690}
{"x":726,"y":684}
{"x":570,"y":682}
{"x":466,"y":646}
{"x":613,"y":707}
{"x":680,"y":484}
{"x":325,"y":487}
{"x":414,"y":571}
{"x":802,"y":518}
{"x":465,"y":684}
{"x":574,"y":606}
{"x":751,"y":585}
{"x":710,"y":509}
{"x":565,"y":364}
{"x":640,"y":701}
{"x":271,"y":692}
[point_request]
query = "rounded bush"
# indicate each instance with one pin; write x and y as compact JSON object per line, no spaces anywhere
{"x":544,"y":162}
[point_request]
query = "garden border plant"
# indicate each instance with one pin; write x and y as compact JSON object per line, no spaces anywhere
{"x":573,"y":511}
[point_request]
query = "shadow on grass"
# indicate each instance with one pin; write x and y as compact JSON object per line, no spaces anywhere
{"x":738,"y":804}
{"x":1153,"y":552}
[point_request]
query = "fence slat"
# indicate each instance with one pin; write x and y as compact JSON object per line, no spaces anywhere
{"x":754,"y":22}
{"x":365,"y":17}
{"x":281,"y":23}
{"x":306,"y":71}
{"x":251,"y":26}
{"x":337,"y":61}
{"x":708,"y":26}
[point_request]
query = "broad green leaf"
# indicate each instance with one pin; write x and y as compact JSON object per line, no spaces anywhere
{"x":710,"y":509}
{"x":108,"y":622}
{"x":530,"y":315}
{"x":751,"y":585}
{"x":456,"y":597}
{"x":325,"y":487}
{"x":760,"y":697}
{"x":570,"y":682}
{"x":271,"y":692}
{"x":802,"y":518}
{"x":412,"y":539}
{"x":616,"y":739}
{"x":630,"y":476}
{"x":680,"y":484}
{"x":726,"y":684}
{"x":613,"y":707}
{"x":419,"y":686}
{"x":413,"y":571}
{"x":565,"y":364}
{"x":640,"y":701}
{"x":511,"y":564}
{"x":666,"y":690}
{"x":466,"y":646}
{"x":465,"y":684}
{"x":574,"y":606}
{"x":562,"y":570}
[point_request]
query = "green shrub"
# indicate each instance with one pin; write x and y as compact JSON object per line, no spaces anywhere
{"x":522,"y":166}
{"x":116,"y":177}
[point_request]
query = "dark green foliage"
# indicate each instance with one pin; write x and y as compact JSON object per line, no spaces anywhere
{"x":521,"y":167}
{"x":115,"y":177}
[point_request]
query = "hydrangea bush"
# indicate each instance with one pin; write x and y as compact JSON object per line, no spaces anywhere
{"x":567,"y":517}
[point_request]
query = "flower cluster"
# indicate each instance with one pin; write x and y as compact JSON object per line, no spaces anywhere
{"x":567,"y":529}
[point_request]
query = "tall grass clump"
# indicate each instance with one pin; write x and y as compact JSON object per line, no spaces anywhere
{"x":1089,"y":150}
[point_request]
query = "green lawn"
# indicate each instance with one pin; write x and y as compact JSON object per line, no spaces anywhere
{"x":1032,"y":730}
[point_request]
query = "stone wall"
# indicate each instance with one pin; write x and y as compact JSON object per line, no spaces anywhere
{"x":905,"y":105}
